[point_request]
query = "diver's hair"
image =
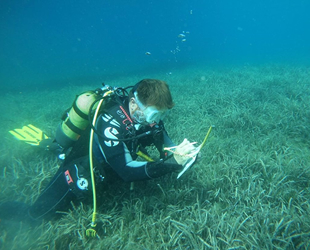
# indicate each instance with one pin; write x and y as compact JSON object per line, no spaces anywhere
{"x":153,"y":92}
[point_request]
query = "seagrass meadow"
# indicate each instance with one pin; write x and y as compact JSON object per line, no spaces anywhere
{"x":249,"y":189}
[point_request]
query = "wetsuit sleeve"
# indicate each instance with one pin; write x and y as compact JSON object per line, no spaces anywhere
{"x":117,"y":155}
{"x":168,"y":143}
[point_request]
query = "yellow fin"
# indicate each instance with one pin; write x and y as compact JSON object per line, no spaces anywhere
{"x":29,"y":134}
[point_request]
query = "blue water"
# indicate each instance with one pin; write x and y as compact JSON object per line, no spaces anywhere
{"x":45,"y":42}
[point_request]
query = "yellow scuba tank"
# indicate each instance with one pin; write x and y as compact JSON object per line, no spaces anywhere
{"x":70,"y":130}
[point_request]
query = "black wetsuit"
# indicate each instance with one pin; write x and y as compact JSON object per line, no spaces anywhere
{"x":72,"y":181}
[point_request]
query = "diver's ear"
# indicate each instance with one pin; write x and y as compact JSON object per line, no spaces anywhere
{"x":133,"y":104}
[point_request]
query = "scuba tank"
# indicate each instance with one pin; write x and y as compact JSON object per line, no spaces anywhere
{"x":76,"y":120}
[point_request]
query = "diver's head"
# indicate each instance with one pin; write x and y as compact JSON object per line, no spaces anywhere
{"x":149,"y":100}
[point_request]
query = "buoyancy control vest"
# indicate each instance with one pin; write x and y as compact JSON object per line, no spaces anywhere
{"x":76,"y":122}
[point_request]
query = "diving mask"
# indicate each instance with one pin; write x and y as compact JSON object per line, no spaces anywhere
{"x":148,"y":114}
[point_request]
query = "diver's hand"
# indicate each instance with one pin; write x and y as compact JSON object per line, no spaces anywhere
{"x":182,"y":151}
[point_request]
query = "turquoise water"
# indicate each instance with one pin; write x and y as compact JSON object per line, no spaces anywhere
{"x":51,"y":43}
{"x":243,"y":66}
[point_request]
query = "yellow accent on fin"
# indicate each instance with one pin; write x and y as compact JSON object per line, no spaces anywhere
{"x":29,"y":134}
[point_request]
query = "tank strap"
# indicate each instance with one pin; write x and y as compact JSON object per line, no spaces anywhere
{"x":74,"y":128}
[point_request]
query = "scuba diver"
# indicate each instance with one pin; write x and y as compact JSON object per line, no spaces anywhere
{"x":122,"y":125}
